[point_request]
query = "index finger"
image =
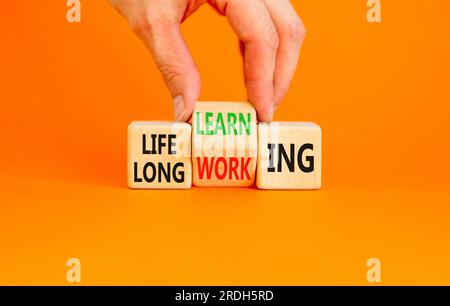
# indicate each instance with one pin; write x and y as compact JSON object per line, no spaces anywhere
{"x":252,"y":23}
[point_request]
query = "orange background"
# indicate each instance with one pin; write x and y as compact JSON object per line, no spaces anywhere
{"x":379,"y":91}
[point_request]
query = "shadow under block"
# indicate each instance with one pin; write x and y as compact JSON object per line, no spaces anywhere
{"x":289,"y":155}
{"x":224,"y":140}
{"x":159,"y":155}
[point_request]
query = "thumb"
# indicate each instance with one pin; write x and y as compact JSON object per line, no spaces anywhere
{"x":174,"y":61}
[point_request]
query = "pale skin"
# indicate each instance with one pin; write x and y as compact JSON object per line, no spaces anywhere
{"x":270,"y":32}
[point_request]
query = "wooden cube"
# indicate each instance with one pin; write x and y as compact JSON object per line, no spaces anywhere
{"x":159,"y":155}
{"x":289,"y":155}
{"x":224,"y":141}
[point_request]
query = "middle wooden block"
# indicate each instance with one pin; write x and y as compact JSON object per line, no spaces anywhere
{"x":224,"y":144}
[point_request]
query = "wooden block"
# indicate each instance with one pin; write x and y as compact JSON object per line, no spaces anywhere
{"x":289,"y":155}
{"x":224,"y":141}
{"x":159,"y":155}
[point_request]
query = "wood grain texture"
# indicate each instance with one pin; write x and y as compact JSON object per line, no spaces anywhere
{"x":289,"y":155}
{"x":159,"y":155}
{"x":224,"y":140}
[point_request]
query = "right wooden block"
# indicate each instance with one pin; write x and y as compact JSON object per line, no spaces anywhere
{"x":289,"y":156}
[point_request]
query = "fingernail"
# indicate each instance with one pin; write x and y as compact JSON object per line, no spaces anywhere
{"x":275,"y":108}
{"x":178,"y":107}
{"x":271,"y":112}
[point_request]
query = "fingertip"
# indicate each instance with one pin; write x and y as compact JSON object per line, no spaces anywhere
{"x":265,"y":112}
{"x":186,"y":91}
{"x":183,"y":117}
{"x":182,"y":109}
{"x":265,"y":118}
{"x":260,"y":95}
{"x":192,"y":94}
{"x":178,"y":108}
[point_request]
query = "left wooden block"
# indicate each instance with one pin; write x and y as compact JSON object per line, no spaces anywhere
{"x":159,"y":155}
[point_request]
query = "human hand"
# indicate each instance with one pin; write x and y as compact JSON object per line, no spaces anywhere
{"x":270,"y":31}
